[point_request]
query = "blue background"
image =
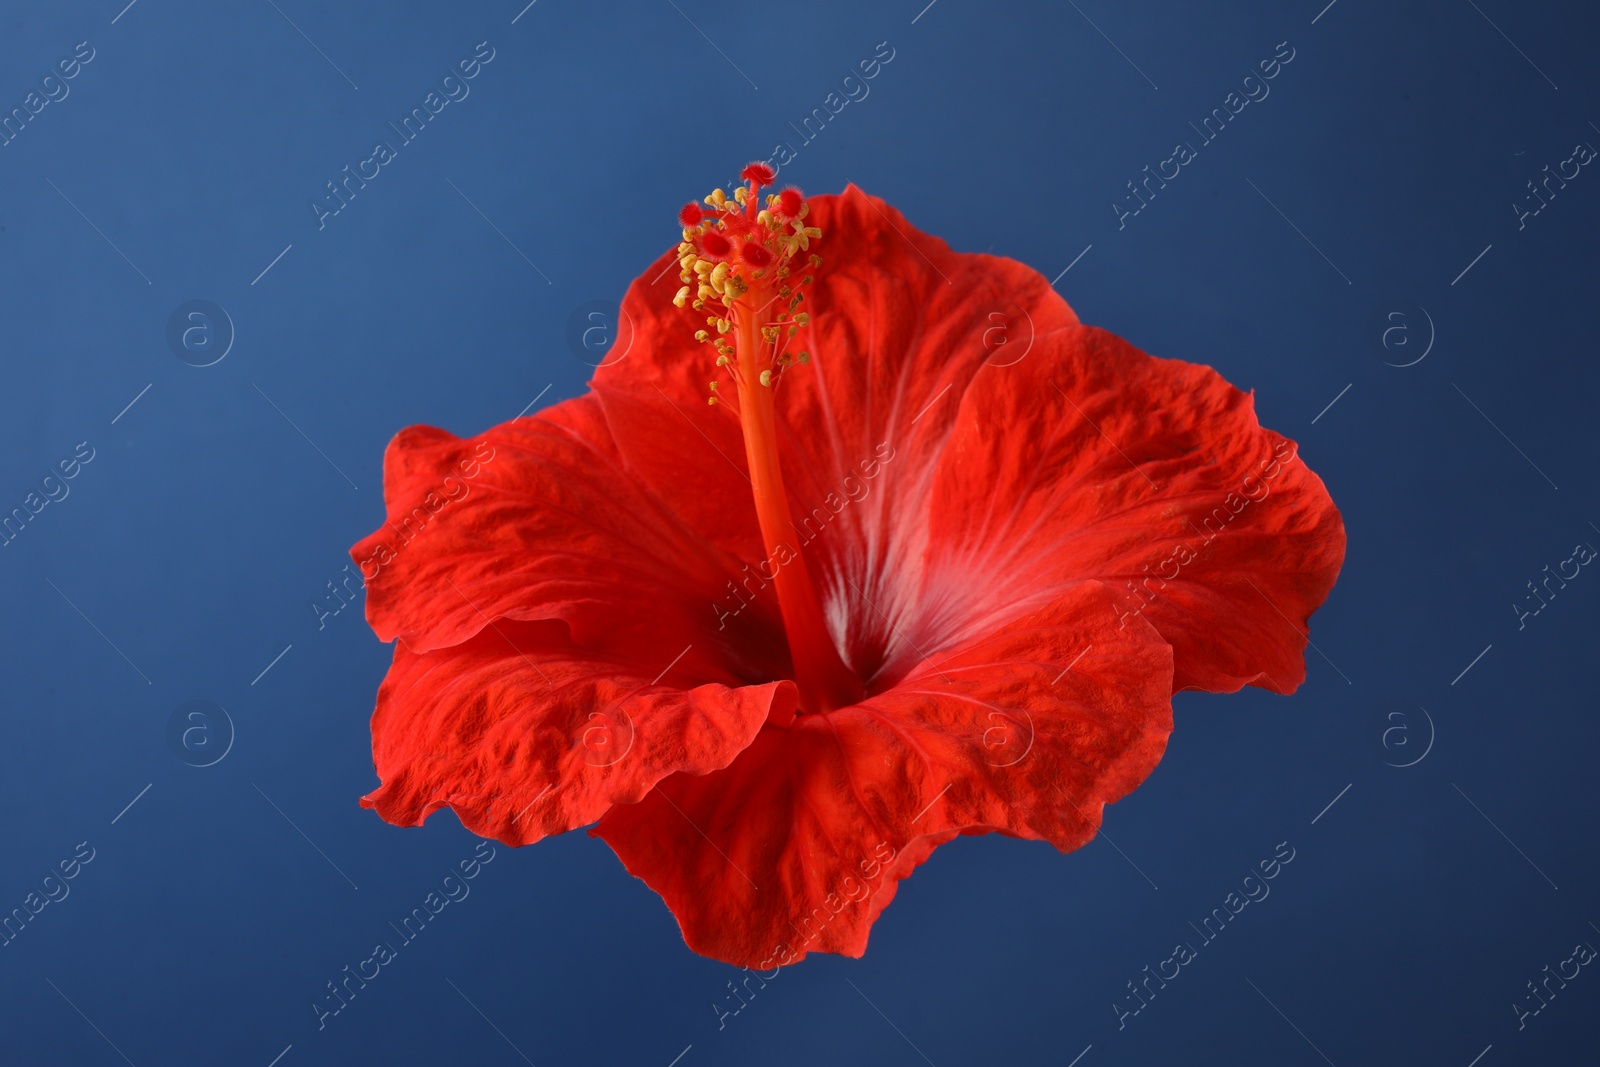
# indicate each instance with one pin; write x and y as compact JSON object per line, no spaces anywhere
{"x":191,"y":547}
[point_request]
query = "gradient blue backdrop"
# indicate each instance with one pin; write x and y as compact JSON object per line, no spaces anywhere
{"x":180,"y":161}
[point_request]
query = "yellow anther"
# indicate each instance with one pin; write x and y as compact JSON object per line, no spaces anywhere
{"x":682,"y":298}
{"x":701,"y":336}
{"x":766,"y":378}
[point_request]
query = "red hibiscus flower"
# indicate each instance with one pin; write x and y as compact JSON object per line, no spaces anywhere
{"x":932,"y":562}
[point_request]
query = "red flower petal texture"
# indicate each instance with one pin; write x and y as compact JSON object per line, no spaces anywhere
{"x":1024,"y":535}
{"x":546,"y":609}
{"x":998,"y":734}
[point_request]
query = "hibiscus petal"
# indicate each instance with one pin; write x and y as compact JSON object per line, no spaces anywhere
{"x":524,"y":734}
{"x":653,"y":385}
{"x":540,"y":518}
{"x":1092,"y":459}
{"x":548,"y":605}
{"x":800,"y":842}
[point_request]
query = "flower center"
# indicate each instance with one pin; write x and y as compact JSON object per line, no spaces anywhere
{"x":737,"y":261}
